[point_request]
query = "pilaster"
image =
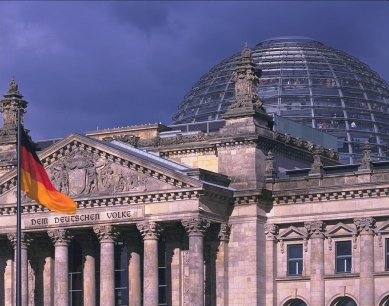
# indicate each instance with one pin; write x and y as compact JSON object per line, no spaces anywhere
{"x":316,"y":231}
{"x":221,"y":265}
{"x":365,"y":227}
{"x":271,"y":232}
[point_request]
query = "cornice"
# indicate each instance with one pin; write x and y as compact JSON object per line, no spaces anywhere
{"x":355,"y":192}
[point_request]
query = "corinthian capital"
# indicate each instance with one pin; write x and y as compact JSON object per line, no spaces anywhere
{"x":271,"y":231}
{"x":149,"y":230}
{"x":365,"y":225}
{"x":60,"y":236}
{"x":315,"y":229}
{"x":106,"y":233}
{"x":26,"y":239}
{"x":195,"y":226}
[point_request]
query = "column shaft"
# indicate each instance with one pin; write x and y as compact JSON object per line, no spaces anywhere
{"x":134,"y":276}
{"x":24,"y":280}
{"x":367,"y":268}
{"x":48,"y":283}
{"x":196,"y":270}
{"x":61,"y":274}
{"x":150,"y":272}
{"x":107,"y":274}
{"x":107,"y":235}
{"x":89,"y":281}
{"x":61,"y":239}
{"x":9,"y":283}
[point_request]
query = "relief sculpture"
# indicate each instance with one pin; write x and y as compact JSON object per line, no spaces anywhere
{"x":82,"y":173}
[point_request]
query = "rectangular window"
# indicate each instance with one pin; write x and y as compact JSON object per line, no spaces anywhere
{"x":343,"y":257}
{"x":387,"y":255}
{"x":295,"y":259}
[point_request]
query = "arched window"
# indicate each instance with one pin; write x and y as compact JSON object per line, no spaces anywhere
{"x":296,"y":302}
{"x":346,"y":302}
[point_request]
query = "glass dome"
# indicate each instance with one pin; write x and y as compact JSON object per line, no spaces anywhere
{"x":310,"y":83}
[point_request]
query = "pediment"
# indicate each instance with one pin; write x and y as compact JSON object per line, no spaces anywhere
{"x":292,"y":232}
{"x":383,"y":228}
{"x":81,"y":166}
{"x":340,"y":229}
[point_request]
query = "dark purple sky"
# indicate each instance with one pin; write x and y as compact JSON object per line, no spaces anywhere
{"x":83,"y":65}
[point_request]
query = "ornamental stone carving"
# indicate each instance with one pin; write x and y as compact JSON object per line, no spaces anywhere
{"x":269,"y":166}
{"x":246,"y":77}
{"x":82,"y":172}
{"x":315,"y":229}
{"x":60,"y":236}
{"x":317,"y":166}
{"x":195,"y":226}
{"x":26,"y":239}
{"x":271,"y":231}
{"x":9,"y":108}
{"x":149,"y":230}
{"x":365,"y":225}
{"x":366,"y":162}
{"x":225,"y":231}
{"x":106,"y":233}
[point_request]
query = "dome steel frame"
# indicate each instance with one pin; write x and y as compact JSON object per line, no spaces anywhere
{"x":307,"y":82}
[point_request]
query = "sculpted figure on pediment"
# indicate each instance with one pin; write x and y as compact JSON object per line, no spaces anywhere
{"x":82,"y":173}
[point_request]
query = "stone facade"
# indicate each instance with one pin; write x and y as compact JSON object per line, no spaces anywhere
{"x":199,"y":219}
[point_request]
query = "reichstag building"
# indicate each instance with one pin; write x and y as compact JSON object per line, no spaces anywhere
{"x":221,"y":207}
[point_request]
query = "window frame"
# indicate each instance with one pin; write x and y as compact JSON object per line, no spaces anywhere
{"x":344,"y":257}
{"x":295,"y":260}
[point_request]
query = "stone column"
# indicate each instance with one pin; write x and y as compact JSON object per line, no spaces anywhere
{"x":365,"y":227}
{"x":134,"y":267}
{"x":25,"y":243}
{"x":107,"y":235}
{"x":196,"y":227}
{"x":173,"y":268}
{"x":5,"y":258}
{"x":316,"y":233}
{"x":46,"y":268}
{"x":271,"y":232}
{"x":150,"y":232}
{"x":61,"y":239}
{"x":221,"y":270}
{"x":87,"y":242}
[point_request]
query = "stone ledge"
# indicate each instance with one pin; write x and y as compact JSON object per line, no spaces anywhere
{"x":342,"y":275}
{"x":381,"y":274}
{"x":293,"y":278}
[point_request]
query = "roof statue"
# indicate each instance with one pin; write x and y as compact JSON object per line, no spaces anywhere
{"x":13,"y":87}
{"x":246,"y":77}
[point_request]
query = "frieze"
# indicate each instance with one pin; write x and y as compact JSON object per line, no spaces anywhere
{"x":10,"y":209}
{"x":124,"y":214}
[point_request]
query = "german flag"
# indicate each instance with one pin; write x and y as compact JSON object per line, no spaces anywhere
{"x":36,"y":183}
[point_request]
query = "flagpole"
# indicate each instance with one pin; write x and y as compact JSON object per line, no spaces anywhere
{"x":18,"y":221}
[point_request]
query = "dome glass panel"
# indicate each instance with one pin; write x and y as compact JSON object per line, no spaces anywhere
{"x":310,"y":83}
